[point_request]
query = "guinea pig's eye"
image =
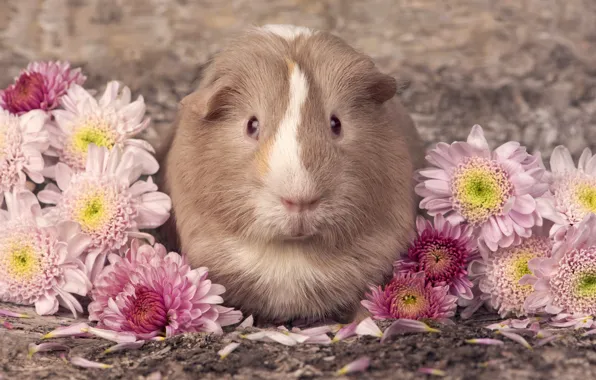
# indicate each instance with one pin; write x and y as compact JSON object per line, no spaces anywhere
{"x":335,"y":126}
{"x":252,"y":128}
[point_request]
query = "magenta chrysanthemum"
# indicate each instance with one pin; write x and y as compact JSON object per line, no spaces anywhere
{"x":494,"y":191}
{"x":408,"y":296}
{"x":40,"y":86}
{"x":39,"y":260}
{"x":22,"y":142}
{"x":572,"y":191}
{"x":108,"y":122}
{"x":499,"y":274}
{"x":108,"y":201}
{"x":566,"y":282}
{"x":149,"y":292}
{"x":442,"y":251}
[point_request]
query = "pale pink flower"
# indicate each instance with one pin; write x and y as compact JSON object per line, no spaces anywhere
{"x":149,"y":292}
{"x":572,"y":191}
{"x":22,"y":142}
{"x":498,"y":274}
{"x":40,"y":86}
{"x":108,"y":200}
{"x":39,"y":259}
{"x":566,"y":281}
{"x":408,"y":296}
{"x":108,"y":122}
{"x":442,"y":251}
{"x":494,"y":191}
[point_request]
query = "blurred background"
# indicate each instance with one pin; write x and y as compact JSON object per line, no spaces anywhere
{"x":523,"y":69}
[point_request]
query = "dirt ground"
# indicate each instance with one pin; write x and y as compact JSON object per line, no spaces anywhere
{"x":524,"y":70}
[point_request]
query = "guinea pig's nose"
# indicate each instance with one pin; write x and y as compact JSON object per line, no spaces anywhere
{"x":300,"y":204}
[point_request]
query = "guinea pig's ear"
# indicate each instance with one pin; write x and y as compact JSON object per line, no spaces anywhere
{"x":381,"y":87}
{"x":209,"y":103}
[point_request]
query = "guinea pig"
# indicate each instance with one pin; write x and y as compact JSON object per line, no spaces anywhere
{"x":290,"y":172}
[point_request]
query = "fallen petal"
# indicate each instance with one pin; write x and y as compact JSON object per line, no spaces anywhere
{"x":248,"y":322}
{"x":517,"y":338}
{"x":8,"y":313}
{"x":82,"y":362}
{"x":358,"y":365}
{"x":345,"y":332}
{"x":487,"y":341}
{"x":432,"y":371}
{"x":368,"y":327}
{"x":125,"y":346}
{"x":114,"y":336}
{"x":404,"y":326}
{"x":7,"y":325}
{"x":546,"y":340}
{"x":318,"y":339}
{"x":78,"y":329}
{"x":45,"y":347}
{"x":589,"y":332}
{"x":313,"y":331}
{"x":154,"y":376}
{"x":158,"y":338}
{"x":224,"y":352}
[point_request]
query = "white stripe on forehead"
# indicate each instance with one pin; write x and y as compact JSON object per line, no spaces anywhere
{"x":288,"y":32}
{"x":285,"y":161}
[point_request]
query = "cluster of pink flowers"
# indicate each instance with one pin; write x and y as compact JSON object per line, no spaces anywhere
{"x":85,"y":231}
{"x":508,"y":234}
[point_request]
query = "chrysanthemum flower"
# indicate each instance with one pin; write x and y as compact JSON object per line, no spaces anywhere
{"x":493,"y":191}
{"x":566,"y":282}
{"x":149,"y":292}
{"x":443,"y":251}
{"x":408,"y":296}
{"x":499,"y":273}
{"x":572,"y":190}
{"x":40,"y":86}
{"x":108,"y":201}
{"x":110,"y":121}
{"x":22,"y":141}
{"x":39,"y":260}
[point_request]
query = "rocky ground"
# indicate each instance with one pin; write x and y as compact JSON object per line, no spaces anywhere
{"x":524,"y":70}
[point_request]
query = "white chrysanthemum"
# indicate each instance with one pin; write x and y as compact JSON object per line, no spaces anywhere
{"x":566,"y":282}
{"x":498,"y":274}
{"x":572,"y":191}
{"x":108,"y":122}
{"x":39,"y":259}
{"x":108,"y":200}
{"x":22,"y":141}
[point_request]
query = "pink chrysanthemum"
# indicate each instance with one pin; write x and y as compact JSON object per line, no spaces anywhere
{"x":108,"y":201}
{"x":566,"y":281}
{"x":150,"y":292}
{"x":39,"y":87}
{"x":22,"y":142}
{"x":572,"y":191}
{"x":108,"y":122}
{"x":493,"y":191}
{"x":442,"y":251}
{"x":39,"y":260}
{"x":408,"y":296}
{"x":498,"y":274}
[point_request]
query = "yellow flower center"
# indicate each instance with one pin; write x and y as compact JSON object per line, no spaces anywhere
{"x":587,"y":285}
{"x":586,"y":196}
{"x":93,"y":132}
{"x":480,"y":189}
{"x":22,"y":261}
{"x":93,"y":211}
{"x":409,"y":299}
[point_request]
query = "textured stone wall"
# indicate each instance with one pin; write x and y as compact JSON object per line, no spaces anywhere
{"x":523,"y":69}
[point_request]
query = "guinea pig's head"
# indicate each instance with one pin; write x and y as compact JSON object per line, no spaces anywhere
{"x":288,"y":138}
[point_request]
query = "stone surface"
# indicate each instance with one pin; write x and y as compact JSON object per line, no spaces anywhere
{"x":524,"y":70}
